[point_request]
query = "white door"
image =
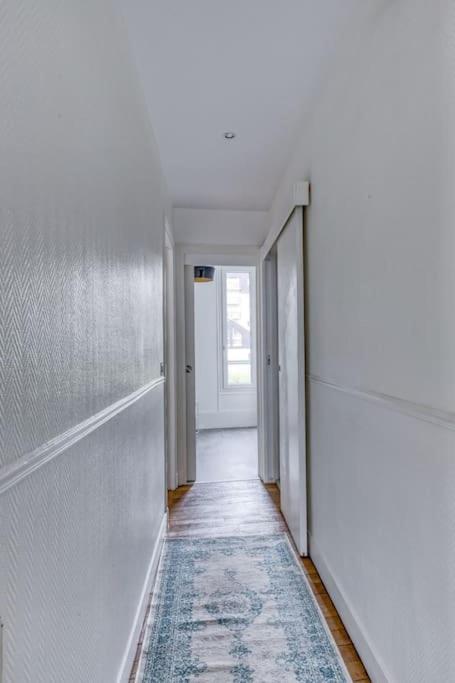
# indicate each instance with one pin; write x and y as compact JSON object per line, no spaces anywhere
{"x":190,"y":375}
{"x":291,"y":358}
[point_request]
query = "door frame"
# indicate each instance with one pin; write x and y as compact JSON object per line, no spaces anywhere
{"x":170,"y":358}
{"x":190,"y":374}
{"x":268,"y":378}
{"x":294,"y":489}
{"x":195,"y":255}
{"x":191,"y":254}
{"x":268,"y":418}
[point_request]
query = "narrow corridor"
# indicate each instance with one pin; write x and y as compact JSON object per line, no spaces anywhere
{"x":227,"y":257}
{"x":245,"y":509}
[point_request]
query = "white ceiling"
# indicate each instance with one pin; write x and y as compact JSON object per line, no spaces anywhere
{"x":209,"y":66}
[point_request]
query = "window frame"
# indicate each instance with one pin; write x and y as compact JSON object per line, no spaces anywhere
{"x":223,"y":349}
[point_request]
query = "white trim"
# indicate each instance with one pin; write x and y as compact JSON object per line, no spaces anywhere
{"x":264,"y":442}
{"x":300,"y":196}
{"x":417,"y":411}
{"x":350,"y":619}
{"x":131,"y":648}
{"x":181,"y":354}
{"x":171,"y":360}
{"x":270,"y":366}
{"x":10,"y":475}
{"x":190,"y":375}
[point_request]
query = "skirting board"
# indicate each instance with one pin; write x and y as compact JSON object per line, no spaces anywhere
{"x":348,"y":616}
{"x":130,"y":652}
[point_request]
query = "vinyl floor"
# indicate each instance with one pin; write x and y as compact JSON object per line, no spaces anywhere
{"x":226,"y":455}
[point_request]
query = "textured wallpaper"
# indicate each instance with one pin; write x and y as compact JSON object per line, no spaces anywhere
{"x":80,"y":326}
{"x":81,"y":226}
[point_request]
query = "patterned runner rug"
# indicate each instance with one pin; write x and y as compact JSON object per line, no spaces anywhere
{"x":236,"y":610}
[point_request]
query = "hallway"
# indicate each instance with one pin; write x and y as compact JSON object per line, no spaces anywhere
{"x":227,"y":239}
{"x":242,"y":510}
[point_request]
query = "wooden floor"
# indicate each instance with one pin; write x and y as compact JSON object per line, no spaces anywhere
{"x":248,"y":507}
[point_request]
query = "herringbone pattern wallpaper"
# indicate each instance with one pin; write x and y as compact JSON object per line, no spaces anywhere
{"x":73,"y":334}
{"x":81,"y":226}
{"x":76,"y":539}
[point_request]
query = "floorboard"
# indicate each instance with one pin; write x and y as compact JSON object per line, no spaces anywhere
{"x":248,"y":507}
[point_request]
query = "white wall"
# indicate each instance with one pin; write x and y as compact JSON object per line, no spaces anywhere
{"x":215,"y":227}
{"x":379,"y":152}
{"x":81,"y":401}
{"x":215,"y":408}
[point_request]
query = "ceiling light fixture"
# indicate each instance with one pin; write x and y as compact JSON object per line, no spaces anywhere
{"x":204,"y":273}
{"x":229,"y":135}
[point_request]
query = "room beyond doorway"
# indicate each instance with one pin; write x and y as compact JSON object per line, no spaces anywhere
{"x":225,"y":377}
{"x":227,"y":454}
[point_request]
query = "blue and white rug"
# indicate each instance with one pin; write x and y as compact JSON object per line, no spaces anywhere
{"x":236,"y":610}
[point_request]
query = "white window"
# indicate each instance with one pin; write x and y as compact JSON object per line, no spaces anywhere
{"x":238,"y":328}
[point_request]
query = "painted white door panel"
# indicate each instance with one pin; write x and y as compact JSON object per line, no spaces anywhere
{"x":291,"y":353}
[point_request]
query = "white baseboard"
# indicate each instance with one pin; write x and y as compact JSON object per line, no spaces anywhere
{"x":227,"y":419}
{"x":375,"y":668}
{"x":130,"y":652}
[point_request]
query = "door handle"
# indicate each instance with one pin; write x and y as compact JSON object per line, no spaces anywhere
{"x":189,"y":369}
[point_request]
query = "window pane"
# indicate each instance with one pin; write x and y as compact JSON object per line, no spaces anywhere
{"x":239,"y":374}
{"x":238,"y":328}
{"x":238,"y":355}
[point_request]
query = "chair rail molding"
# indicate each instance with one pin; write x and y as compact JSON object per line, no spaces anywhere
{"x":418,"y":411}
{"x":12,"y":474}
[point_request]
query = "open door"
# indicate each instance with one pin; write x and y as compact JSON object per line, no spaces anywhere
{"x":190,"y":387}
{"x":291,"y":358}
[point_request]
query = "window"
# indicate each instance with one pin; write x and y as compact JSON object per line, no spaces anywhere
{"x":238,"y":328}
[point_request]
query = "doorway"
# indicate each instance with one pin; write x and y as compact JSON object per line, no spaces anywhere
{"x":223,"y":379}
{"x":284,"y":423}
